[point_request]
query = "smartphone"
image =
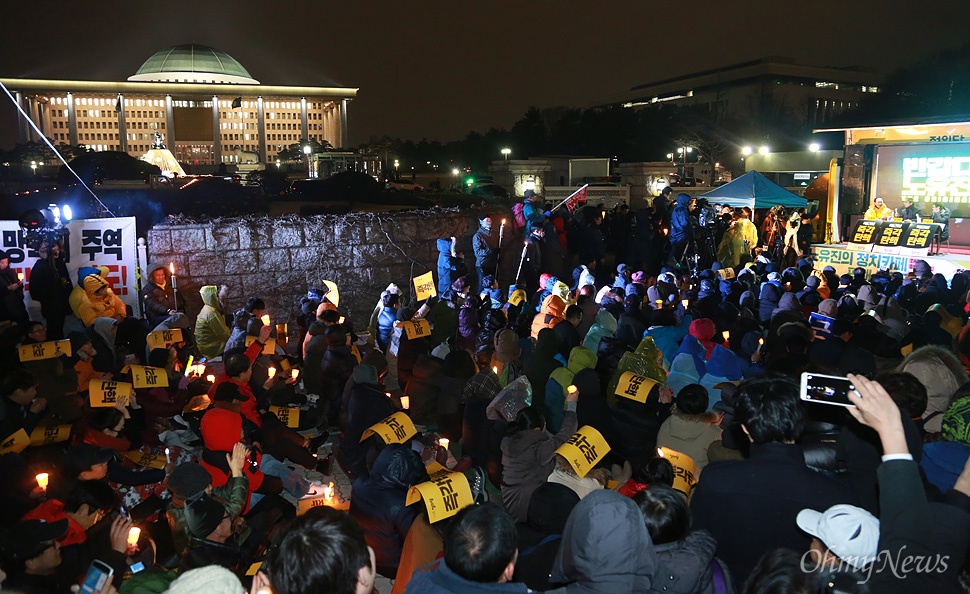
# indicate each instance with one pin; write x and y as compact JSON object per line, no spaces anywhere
{"x":99,"y":575}
{"x":123,"y":512}
{"x":826,"y":389}
{"x":137,"y":567}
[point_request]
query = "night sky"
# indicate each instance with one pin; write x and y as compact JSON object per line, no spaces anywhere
{"x":436,"y":69}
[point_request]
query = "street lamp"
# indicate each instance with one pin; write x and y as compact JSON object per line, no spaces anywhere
{"x":814,"y":147}
{"x":506,"y":152}
{"x":396,"y":165}
{"x":746,"y":151}
{"x":454,"y":172}
{"x":682,"y":151}
{"x":671,"y":157}
{"x":33,"y":167}
{"x":763,"y":150}
{"x":306,"y":151}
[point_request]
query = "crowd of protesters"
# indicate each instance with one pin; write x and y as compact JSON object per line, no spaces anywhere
{"x":721,"y":478}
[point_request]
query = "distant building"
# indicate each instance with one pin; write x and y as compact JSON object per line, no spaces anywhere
{"x":810,"y":94}
{"x":205,"y":105}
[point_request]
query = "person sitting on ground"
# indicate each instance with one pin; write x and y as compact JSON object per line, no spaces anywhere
{"x":844,"y":538}
{"x":322,"y":551}
{"x":190,"y":480}
{"x":479,"y":555}
{"x":690,"y":429}
{"x":567,"y":330}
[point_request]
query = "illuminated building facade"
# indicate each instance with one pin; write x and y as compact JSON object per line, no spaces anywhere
{"x":206,"y":106}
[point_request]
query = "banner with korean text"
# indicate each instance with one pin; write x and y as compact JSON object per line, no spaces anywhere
{"x":91,"y":242}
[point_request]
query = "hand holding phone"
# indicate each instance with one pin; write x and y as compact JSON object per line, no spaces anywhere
{"x":99,"y":576}
{"x":827,"y":389}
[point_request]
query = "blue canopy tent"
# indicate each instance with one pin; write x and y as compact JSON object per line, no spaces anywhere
{"x":754,"y":191}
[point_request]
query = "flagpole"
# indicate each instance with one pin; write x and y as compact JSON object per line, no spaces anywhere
{"x":568,"y":197}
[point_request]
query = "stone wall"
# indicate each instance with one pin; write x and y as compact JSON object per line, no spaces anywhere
{"x":279,"y":259}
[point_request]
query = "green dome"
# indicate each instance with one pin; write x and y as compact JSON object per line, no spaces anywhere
{"x":193,"y":63}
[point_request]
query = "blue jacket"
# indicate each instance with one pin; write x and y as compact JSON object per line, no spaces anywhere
{"x":680,"y":229}
{"x":943,"y":461}
{"x":385,"y":327}
{"x":450,"y":268}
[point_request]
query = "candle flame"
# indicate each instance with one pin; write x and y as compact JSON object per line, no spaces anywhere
{"x":171,"y":268}
{"x":42,"y":480}
{"x":328,"y":492}
{"x":271,"y":371}
{"x":405,"y":402}
{"x":294,"y":373}
{"x":133,"y":535}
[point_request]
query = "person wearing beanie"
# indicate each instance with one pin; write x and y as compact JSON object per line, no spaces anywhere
{"x":212,"y":541}
{"x":546,"y":517}
{"x":212,"y":579}
{"x":190,"y":481}
{"x":99,"y":301}
{"x":485,"y":246}
{"x":367,"y":405}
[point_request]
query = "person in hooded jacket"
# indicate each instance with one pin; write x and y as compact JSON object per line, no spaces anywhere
{"x":541,"y":363}
{"x":99,"y":301}
{"x":770,"y":297}
{"x":423,"y":389}
{"x":552,"y":312}
{"x":528,"y":455}
{"x":611,"y":351}
{"x":681,"y":230}
{"x":211,"y":332}
{"x":605,"y":548}
{"x":560,"y":379}
{"x":368,"y":405}
{"x":605,"y":325}
{"x":378,"y":503}
{"x":541,"y":534}
{"x":451,"y":264}
{"x":478,"y":431}
{"x":690,"y":429}
{"x":335,"y":369}
{"x":107,"y":359}
{"x":468,"y":323}
{"x":686,"y":557}
{"x":386,"y":319}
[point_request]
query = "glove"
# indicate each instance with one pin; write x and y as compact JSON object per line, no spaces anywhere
{"x":547,"y":213}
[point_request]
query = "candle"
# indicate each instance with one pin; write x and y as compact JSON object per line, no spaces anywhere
{"x":20,"y":276}
{"x":281,"y":330}
{"x":328,"y":493}
{"x":265,"y":320}
{"x":42,"y":480}
{"x":168,"y":459}
{"x":341,"y":320}
{"x":171,"y":270}
{"x":685,"y":303}
{"x":294,"y":373}
{"x":660,"y":452}
{"x":726,"y":334}
{"x":272,"y":372}
{"x":761,"y":342}
{"x":443,"y":442}
{"x":660,"y":303}
{"x":211,"y":379}
{"x":495,"y":369}
{"x":188,"y":365}
{"x":501,"y":233}
{"x":133,"y":535}
{"x":405,"y":402}
{"x":572,"y":389}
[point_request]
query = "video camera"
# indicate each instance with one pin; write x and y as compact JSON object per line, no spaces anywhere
{"x":45,"y":225}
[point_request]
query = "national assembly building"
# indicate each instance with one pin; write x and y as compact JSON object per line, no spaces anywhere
{"x":202,"y":102}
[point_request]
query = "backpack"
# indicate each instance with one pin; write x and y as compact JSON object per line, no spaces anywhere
{"x":518,"y":215}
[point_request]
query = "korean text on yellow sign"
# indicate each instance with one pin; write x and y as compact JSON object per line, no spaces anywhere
{"x":162,"y":338}
{"x":48,"y":435}
{"x":143,"y":376}
{"x":635,"y":387}
{"x":105,"y":394}
{"x":269,"y":347}
{"x":15,"y":443}
{"x":444,"y":495}
{"x":396,"y":428}
{"x":685,"y":471}
{"x":146,"y":459}
{"x":417,"y":329}
{"x":584,"y":449}
{"x":287,"y":415}
{"x":424,"y":286}
{"x":44,"y":350}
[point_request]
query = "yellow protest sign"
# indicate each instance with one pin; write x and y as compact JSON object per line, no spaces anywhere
{"x":285,"y":364}
{"x":289,"y":416}
{"x":48,"y":435}
{"x":517,"y":297}
{"x":906,"y":349}
{"x":15,"y":442}
{"x":160,"y":339}
{"x":396,"y":428}
{"x":44,"y":350}
{"x":424,"y":286}
{"x":444,"y":495}
{"x":143,"y":376}
{"x":685,"y":471}
{"x":269,"y":347}
{"x":105,"y":394}
{"x":584,"y":449}
{"x":333,"y":295}
{"x":635,"y":387}
{"x":145,"y":459}
{"x":417,"y":329}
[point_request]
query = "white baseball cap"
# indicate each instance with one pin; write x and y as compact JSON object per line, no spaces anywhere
{"x":850,"y":532}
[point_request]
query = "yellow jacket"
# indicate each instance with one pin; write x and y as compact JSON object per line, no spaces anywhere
{"x":211,"y":332}
{"x":878,"y":213}
{"x":93,"y":306}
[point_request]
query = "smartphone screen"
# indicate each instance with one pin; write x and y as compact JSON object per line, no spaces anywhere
{"x":826,"y":389}
{"x":136,"y":567}
{"x":97,"y":578}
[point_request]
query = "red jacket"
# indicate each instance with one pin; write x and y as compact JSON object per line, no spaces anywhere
{"x":248,"y":409}
{"x":221,"y":430}
{"x":52,"y":510}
